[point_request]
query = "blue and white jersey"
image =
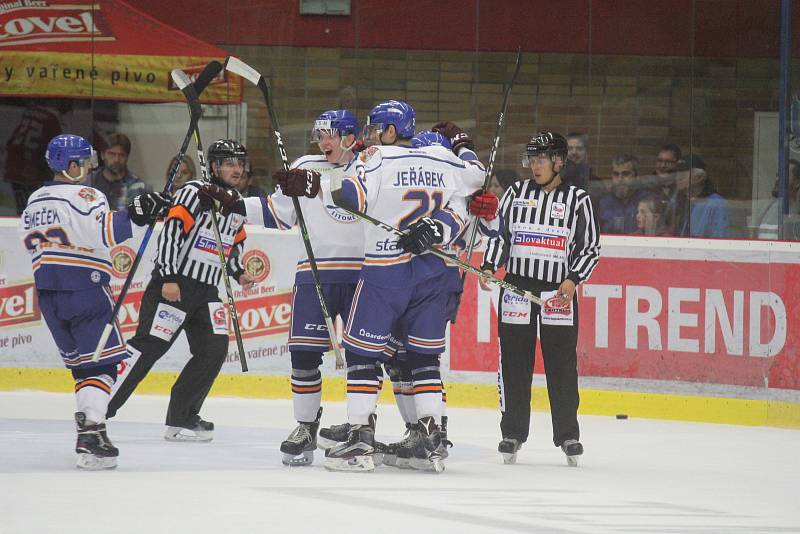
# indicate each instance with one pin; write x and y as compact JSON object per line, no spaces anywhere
{"x":68,"y":230}
{"x":400,"y":185}
{"x":337,"y":237}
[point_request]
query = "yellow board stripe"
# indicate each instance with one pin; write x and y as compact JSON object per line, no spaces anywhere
{"x":593,"y":402}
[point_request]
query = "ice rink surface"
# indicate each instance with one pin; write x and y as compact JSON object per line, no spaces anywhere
{"x":636,"y":476}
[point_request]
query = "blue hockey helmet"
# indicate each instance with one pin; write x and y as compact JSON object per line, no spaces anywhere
{"x":431,"y":138}
{"x":65,"y":148}
{"x":334,"y":122}
{"x":399,"y":114}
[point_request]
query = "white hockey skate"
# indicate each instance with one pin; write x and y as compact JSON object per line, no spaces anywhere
{"x":509,"y":448}
{"x":298,"y":448}
{"x":95,"y":450}
{"x":201,"y":431}
{"x":355,"y":454}
{"x":572,"y":448}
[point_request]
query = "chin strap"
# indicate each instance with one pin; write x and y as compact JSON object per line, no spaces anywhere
{"x":75,"y":179}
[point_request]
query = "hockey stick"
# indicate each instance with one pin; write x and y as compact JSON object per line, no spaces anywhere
{"x":182,"y":81}
{"x":439,"y":254}
{"x":195,"y":112}
{"x":488,"y":179}
{"x":237,"y":66}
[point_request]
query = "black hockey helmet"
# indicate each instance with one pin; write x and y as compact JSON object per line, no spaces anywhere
{"x":550,"y":143}
{"x":227,"y":149}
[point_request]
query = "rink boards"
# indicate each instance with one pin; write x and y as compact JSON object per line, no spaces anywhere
{"x":702,"y":330}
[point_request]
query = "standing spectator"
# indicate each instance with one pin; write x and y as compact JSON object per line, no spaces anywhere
{"x":26,"y":169}
{"x":114,"y":178}
{"x":186,"y":172}
{"x":698,"y":210}
{"x":617,"y":209}
{"x":651,"y":215}
{"x":501,"y":180}
{"x":576,"y":169}
{"x":547,"y":238}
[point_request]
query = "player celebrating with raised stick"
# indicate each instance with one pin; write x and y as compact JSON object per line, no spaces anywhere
{"x":182,"y":295}
{"x":338,"y":242}
{"x":68,"y":229}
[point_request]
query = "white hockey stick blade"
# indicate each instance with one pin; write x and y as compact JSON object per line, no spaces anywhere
{"x":237,"y":66}
{"x":102,"y":343}
{"x":180,"y":78}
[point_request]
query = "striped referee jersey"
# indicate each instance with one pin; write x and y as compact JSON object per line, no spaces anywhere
{"x":545,"y":236}
{"x":187,"y":245}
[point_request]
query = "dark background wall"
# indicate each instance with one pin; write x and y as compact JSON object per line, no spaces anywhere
{"x":633,"y":74}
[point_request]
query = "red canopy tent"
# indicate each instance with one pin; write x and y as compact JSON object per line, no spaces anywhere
{"x":106,"y":49}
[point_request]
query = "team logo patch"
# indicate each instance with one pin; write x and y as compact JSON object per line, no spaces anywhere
{"x":368,"y":153}
{"x":553,"y":312}
{"x":122,"y":258}
{"x":219,"y":318}
{"x":557,"y":210}
{"x":256,"y":264}
{"x":95,"y":277}
{"x":88,"y":194}
{"x":524,"y":203}
{"x":340,"y":215}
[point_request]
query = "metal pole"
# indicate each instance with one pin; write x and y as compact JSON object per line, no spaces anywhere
{"x":784,"y":110}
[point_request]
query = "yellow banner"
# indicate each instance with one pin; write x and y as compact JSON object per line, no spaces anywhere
{"x":114,"y":77}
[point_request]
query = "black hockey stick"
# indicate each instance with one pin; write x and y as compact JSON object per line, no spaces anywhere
{"x":183,"y":82}
{"x":436,"y":252}
{"x":195,"y":112}
{"x":488,"y":179}
{"x":237,"y":66}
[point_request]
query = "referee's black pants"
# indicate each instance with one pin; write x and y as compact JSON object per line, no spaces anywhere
{"x":208,"y":351}
{"x":517,"y":350}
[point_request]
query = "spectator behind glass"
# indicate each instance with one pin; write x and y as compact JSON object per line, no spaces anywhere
{"x":576,"y":169}
{"x":248,"y":186}
{"x":666,"y":167}
{"x":770,"y":218}
{"x":186,"y":172}
{"x":113,"y":178}
{"x":617,"y":209}
{"x":501,"y":180}
{"x":651,"y":215}
{"x":698,"y":210}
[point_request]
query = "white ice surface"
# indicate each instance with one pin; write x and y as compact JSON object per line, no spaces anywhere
{"x":636,"y":476}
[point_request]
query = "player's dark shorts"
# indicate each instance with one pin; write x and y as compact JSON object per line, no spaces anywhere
{"x":418,"y":311}
{"x":308,"y":331}
{"x":76,"y":320}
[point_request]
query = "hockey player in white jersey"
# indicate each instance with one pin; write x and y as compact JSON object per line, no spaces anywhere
{"x":337,"y":238}
{"x":481,"y":205}
{"x":408,"y":188}
{"x":68,"y":229}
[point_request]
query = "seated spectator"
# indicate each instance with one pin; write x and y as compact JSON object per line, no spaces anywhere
{"x":651,"y":215}
{"x":768,"y":222}
{"x":186,"y":172}
{"x":248,"y":186}
{"x":113,"y":178}
{"x":501,"y":180}
{"x":576,"y":169}
{"x":617,"y":209}
{"x":666,"y":166}
{"x":698,"y":210}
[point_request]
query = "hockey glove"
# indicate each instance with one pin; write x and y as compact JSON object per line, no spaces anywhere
{"x":298,"y":182}
{"x":458,"y":138}
{"x":421,"y":235}
{"x":144,"y":209}
{"x":230,"y":200}
{"x":483,"y":204}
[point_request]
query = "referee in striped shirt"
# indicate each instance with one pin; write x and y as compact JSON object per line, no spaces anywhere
{"x":182,"y":295}
{"x":548,"y":240}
